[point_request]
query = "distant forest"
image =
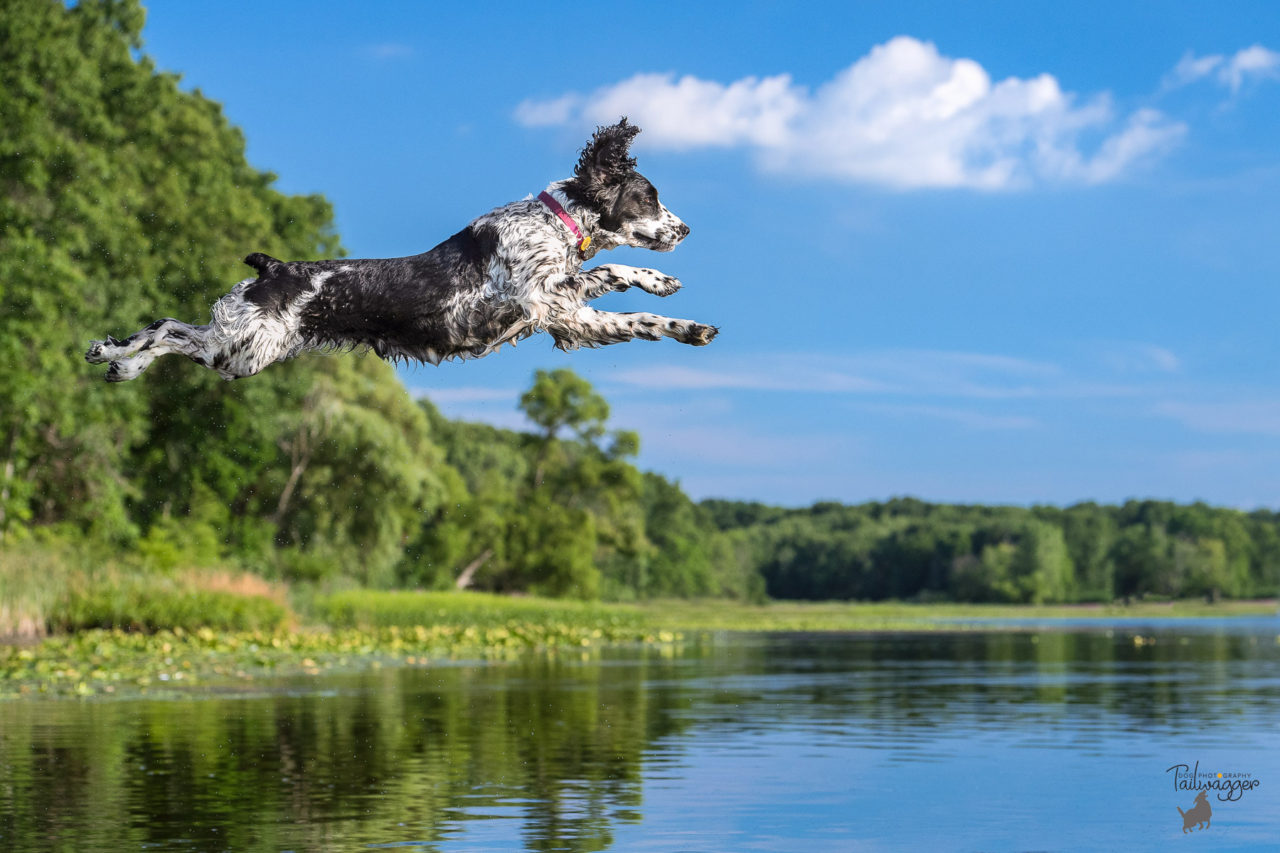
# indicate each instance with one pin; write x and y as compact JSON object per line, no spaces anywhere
{"x":124,"y":198}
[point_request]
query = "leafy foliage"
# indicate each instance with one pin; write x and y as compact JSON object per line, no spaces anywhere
{"x":124,"y":198}
{"x":909,"y":549}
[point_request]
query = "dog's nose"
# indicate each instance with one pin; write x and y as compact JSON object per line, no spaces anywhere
{"x":683,"y":230}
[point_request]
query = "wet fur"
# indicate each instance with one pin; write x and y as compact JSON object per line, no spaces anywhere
{"x":509,"y":274}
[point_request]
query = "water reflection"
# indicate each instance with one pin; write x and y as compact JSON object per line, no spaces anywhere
{"x":559,"y":753}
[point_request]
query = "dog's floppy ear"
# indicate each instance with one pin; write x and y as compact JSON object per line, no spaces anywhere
{"x":606,"y":159}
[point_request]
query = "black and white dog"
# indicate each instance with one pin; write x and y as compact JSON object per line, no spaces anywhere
{"x":513,"y":272}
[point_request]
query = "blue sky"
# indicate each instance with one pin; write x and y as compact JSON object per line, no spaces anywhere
{"x":981,"y":252}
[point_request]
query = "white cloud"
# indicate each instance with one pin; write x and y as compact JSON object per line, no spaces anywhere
{"x":964,"y":417}
{"x":1161,"y":358}
{"x":548,"y":113}
{"x":903,"y":116}
{"x":813,"y":378}
{"x":1128,"y":357}
{"x":730,"y":445}
{"x":1260,"y":417}
{"x":1248,"y":64}
{"x":903,"y":372}
{"x":1147,"y":131}
{"x":684,"y":113}
{"x":1256,"y":62}
{"x":959,"y":374}
{"x":1192,"y":68}
{"x":496,"y":406}
{"x":471,"y":394}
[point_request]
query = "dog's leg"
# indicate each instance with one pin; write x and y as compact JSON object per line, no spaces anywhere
{"x":134,"y":354}
{"x":243,"y":338}
{"x":608,"y":278}
{"x":591,"y":327}
{"x":113,"y":350}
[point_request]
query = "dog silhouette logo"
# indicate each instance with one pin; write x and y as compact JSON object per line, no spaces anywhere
{"x":1197,"y":814}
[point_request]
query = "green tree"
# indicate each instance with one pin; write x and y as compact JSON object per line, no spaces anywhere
{"x":1141,"y":556}
{"x":583,"y":478}
{"x":1090,"y":533}
{"x":561,"y":399}
{"x":123,"y":198}
{"x":1041,"y":568}
{"x":369,"y":470}
{"x":987,"y":576}
{"x":463,"y":543}
{"x":682,"y":554}
{"x":552,"y":551}
{"x":1200,"y":567}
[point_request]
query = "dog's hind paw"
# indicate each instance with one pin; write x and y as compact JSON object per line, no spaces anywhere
{"x":123,"y":371}
{"x":103,"y":351}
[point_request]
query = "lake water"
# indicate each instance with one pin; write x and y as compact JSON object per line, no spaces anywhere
{"x":1042,"y":739}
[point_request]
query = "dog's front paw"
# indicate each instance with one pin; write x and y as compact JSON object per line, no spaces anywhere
{"x":699,"y":334}
{"x":659,"y":284}
{"x":664,"y":286}
{"x":95,"y":354}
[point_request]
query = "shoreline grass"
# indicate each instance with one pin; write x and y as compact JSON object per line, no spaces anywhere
{"x":376,"y":609}
{"x":891,"y":615}
{"x":364,"y":608}
{"x":365,"y":628}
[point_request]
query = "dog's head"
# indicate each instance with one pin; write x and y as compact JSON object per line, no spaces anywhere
{"x":607,"y":183}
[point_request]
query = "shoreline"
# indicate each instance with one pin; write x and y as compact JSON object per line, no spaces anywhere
{"x":442,"y":627}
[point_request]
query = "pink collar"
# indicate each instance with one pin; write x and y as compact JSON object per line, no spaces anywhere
{"x":583,"y":240}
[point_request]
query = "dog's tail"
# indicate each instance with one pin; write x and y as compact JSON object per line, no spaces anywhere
{"x":264,"y":264}
{"x":1180,"y":811}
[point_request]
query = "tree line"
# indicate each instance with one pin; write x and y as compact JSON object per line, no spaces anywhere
{"x":909,"y":549}
{"x":124,"y":198}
